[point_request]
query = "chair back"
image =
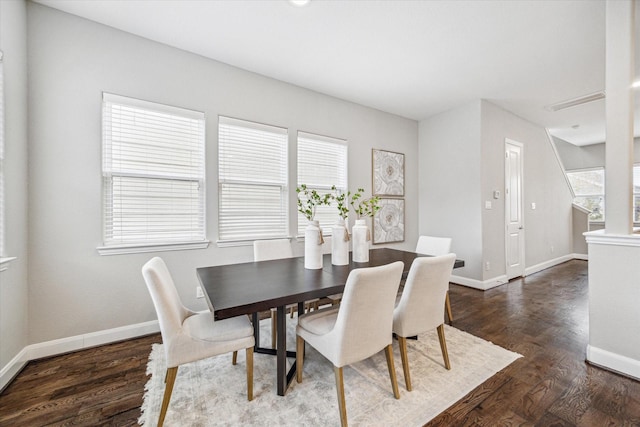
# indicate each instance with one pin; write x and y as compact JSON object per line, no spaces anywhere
{"x":429,"y":245}
{"x":169,"y":308}
{"x":365,"y":318}
{"x":421,"y":306}
{"x":264,"y":250}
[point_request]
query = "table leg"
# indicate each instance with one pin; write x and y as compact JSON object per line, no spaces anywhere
{"x":256,"y":330}
{"x":281,"y":350}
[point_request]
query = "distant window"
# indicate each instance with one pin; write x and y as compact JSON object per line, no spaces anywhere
{"x":636,"y":193}
{"x":153,"y":173}
{"x":252,"y":168}
{"x":322,"y":163}
{"x":588,"y":188}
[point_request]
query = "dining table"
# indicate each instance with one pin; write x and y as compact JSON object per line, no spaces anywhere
{"x":253,"y":287}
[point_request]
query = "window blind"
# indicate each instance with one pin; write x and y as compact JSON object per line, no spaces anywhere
{"x":153,"y":172}
{"x":322,"y":163}
{"x":252,"y":168}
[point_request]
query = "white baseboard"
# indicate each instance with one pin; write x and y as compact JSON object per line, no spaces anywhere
{"x":547,"y":264}
{"x":614,"y":362}
{"x":8,"y":372}
{"x":78,"y":342}
{"x":479,"y":284}
{"x":584,"y":257}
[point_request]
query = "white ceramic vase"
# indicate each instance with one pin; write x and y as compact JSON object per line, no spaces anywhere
{"x":361,"y":238}
{"x":313,"y":246}
{"x":340,"y":243}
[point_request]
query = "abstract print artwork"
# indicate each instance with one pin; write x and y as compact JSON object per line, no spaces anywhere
{"x":388,"y":173}
{"x":388,"y":222}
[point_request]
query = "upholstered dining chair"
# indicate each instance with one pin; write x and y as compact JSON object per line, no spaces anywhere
{"x":265,"y":250}
{"x":356,"y":329}
{"x":188,"y":336}
{"x":430,"y":245}
{"x":421,"y":306}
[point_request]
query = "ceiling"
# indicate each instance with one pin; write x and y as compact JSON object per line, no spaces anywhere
{"x":410,"y":58}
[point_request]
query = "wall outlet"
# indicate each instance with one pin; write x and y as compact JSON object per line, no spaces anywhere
{"x":552,"y":249}
{"x":487,"y":266}
{"x":199,"y":293}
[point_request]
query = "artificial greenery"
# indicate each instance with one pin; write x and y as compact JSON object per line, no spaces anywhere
{"x":341,"y":202}
{"x":365,"y":207}
{"x":310,"y":200}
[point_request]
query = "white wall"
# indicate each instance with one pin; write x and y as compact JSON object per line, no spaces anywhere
{"x":588,"y":156}
{"x":449,"y":190}
{"x":71,"y":61}
{"x":548,"y":228}
{"x":13,"y":281}
{"x":462,"y":163}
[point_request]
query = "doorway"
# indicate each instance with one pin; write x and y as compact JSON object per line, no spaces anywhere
{"x":515,"y":233}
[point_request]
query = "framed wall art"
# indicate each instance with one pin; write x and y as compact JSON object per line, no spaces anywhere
{"x":388,"y":173}
{"x":388,"y":221}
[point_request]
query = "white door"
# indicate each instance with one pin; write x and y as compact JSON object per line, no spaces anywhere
{"x":514,"y":244}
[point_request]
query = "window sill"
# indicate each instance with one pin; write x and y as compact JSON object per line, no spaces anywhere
{"x":4,"y":262}
{"x":248,"y":242}
{"x":144,"y":248}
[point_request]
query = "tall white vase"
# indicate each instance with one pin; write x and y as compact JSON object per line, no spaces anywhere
{"x":313,"y":246}
{"x":361,"y":238}
{"x":340,"y":243}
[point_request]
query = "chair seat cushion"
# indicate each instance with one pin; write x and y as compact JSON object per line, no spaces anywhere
{"x":203,"y":327}
{"x":319,"y":322}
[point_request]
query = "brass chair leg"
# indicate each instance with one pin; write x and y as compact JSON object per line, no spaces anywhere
{"x":402,"y":343}
{"x":249,"y":372}
{"x":388,"y":351}
{"x":447,"y":306}
{"x":443,"y":347}
{"x":169,"y":380}
{"x":234,"y":359}
{"x":274,"y":327}
{"x":299,"y":358}
{"x":340,"y":389}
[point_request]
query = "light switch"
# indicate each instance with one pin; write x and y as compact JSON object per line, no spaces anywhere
{"x":487,"y":204}
{"x":496,"y":194}
{"x":533,"y":205}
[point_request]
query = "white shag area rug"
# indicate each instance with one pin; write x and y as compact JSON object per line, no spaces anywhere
{"x":213,"y":392}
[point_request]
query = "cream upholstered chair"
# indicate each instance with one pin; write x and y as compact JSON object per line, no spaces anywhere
{"x":421,"y":306}
{"x":265,"y":250}
{"x":356,"y":329}
{"x":429,"y":245}
{"x":188,"y":336}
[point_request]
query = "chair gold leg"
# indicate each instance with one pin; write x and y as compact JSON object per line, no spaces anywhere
{"x":402,"y":343}
{"x":274,"y":327}
{"x":169,"y":380}
{"x":447,"y":306}
{"x":388,"y":351}
{"x":299,"y":357}
{"x":340,"y":389}
{"x":249,"y":373}
{"x":234,"y":359}
{"x":443,"y":347}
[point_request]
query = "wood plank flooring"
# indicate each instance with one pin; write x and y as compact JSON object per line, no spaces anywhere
{"x":543,"y":317}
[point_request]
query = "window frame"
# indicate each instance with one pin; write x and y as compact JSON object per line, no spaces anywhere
{"x":133,"y":169}
{"x":322,"y":188}
{"x":228,"y":176}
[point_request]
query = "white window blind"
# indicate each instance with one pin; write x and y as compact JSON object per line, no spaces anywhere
{"x":153,"y":172}
{"x":322,"y":163}
{"x":252,"y":179}
{"x":2,"y":203}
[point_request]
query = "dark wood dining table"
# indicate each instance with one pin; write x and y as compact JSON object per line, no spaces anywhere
{"x":249,"y":288}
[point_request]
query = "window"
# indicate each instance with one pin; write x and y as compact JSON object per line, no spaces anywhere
{"x":588,"y":189}
{"x":153,"y":174}
{"x":252,"y":162}
{"x":636,"y":193}
{"x":322,"y":162}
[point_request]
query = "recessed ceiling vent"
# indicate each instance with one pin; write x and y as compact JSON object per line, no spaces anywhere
{"x":576,"y":101}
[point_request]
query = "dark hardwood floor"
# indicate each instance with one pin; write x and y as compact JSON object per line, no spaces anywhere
{"x":543,"y":317}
